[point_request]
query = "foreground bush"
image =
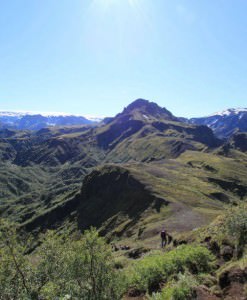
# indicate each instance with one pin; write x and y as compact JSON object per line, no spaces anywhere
{"x":182,"y":289}
{"x":88,"y":269}
{"x":149,"y":272}
{"x":59,"y":269}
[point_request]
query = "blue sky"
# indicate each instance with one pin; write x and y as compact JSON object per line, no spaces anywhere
{"x":97,"y":56}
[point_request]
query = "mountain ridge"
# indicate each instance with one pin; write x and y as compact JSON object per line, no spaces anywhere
{"x":224,"y":123}
{"x":53,"y":176}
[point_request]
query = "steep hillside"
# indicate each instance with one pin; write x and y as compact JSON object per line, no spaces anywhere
{"x":234,"y":147}
{"x":28,"y":192}
{"x":239,"y":141}
{"x":50,"y":147}
{"x":133,"y":201}
{"x":136,"y":200}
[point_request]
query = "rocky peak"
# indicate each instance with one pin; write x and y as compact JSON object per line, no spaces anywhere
{"x":147,"y":108}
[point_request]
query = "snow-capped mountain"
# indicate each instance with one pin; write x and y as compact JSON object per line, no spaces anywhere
{"x":230,"y":111}
{"x":95,"y":119}
{"x":225,"y":123}
{"x":37,"y":120}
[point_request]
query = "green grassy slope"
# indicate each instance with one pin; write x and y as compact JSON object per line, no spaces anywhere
{"x":27,"y":192}
{"x":136,"y":200}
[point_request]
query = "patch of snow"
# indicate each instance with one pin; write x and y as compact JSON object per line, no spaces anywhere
{"x":213,"y":122}
{"x":241,"y":116}
{"x":230,"y":111}
{"x":94,"y":118}
{"x":32,"y":113}
{"x":11,"y":114}
{"x":146,"y":117}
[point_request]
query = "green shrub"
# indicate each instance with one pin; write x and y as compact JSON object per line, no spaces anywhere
{"x":59,"y":268}
{"x":149,"y":272}
{"x":88,"y":269}
{"x":236,"y":225}
{"x":183,"y":289}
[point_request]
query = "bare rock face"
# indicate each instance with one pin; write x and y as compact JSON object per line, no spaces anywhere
{"x":203,"y":293}
{"x":149,"y":108}
{"x":232,"y":283}
{"x":227,"y":252}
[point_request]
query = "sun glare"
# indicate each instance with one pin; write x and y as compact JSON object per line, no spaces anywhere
{"x":118,"y":29}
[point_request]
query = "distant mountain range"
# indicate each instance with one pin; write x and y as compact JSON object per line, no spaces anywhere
{"x":36,"y":121}
{"x":224,"y":124}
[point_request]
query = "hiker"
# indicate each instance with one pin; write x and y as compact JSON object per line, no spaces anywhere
{"x":163,"y":235}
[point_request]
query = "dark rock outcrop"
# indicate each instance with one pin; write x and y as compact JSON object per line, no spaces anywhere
{"x":232,"y":282}
{"x":111,"y":195}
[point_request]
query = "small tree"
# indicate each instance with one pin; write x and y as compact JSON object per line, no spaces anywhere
{"x":236,"y":225}
{"x":13,"y":266}
{"x":89,"y":269}
{"x":20,"y":277}
{"x":58,"y":268}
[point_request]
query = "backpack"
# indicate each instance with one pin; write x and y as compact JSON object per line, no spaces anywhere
{"x":169,"y":239}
